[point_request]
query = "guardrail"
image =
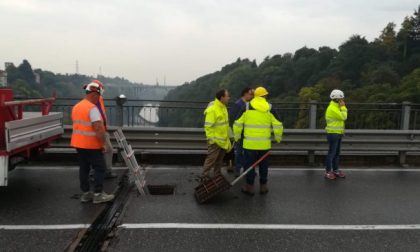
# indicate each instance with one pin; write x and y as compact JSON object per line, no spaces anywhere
{"x":310,"y":115}
{"x":310,"y":142}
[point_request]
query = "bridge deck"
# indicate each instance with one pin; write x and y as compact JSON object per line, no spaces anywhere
{"x":302,"y":211}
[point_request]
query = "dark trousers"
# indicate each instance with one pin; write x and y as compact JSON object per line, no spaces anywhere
{"x":333,"y":158}
{"x":251,"y":156}
{"x":91,"y":159}
{"x":239,"y":157}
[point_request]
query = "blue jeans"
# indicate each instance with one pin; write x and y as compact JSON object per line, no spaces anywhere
{"x":239,"y":157}
{"x":251,"y":156}
{"x":333,"y":157}
{"x":91,"y":159}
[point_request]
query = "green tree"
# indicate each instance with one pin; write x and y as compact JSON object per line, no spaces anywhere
{"x":26,"y":72}
{"x":388,"y":37}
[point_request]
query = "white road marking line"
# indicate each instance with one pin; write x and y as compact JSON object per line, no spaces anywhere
{"x":219,"y":226}
{"x":266,"y":226}
{"x":276,"y":169}
{"x":58,"y":168}
{"x":304,"y":169}
{"x":44,"y":227}
{"x":350,"y":169}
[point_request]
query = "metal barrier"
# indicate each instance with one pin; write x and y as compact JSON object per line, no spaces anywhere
{"x":311,"y":142}
{"x":150,"y":113}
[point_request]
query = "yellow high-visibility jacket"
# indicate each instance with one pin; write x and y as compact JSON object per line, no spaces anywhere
{"x":257,"y":123}
{"x":335,"y":117}
{"x":216,"y":125}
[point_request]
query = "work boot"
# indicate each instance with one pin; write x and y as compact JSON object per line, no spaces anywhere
{"x":263,"y":189}
{"x":339,"y":174}
{"x":86,"y":197}
{"x":329,"y":175}
{"x":102,"y":197}
{"x":248,"y":189}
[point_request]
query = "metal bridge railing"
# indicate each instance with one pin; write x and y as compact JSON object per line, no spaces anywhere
{"x":189,"y":114}
{"x":309,"y":142}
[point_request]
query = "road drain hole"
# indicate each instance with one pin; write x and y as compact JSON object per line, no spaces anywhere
{"x":161,"y":189}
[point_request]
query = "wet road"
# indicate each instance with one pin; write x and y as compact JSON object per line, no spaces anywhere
{"x":302,"y":212}
{"x":39,"y":206}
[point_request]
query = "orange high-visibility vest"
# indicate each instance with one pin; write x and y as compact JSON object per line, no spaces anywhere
{"x":84,"y":135}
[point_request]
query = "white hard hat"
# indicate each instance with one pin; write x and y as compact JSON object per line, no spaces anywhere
{"x":336,"y":94}
{"x":94,"y":87}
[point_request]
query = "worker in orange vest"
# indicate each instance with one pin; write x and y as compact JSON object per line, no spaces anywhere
{"x":109,"y":153}
{"x":88,"y":137}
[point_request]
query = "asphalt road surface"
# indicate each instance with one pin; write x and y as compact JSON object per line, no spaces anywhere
{"x":370,"y":210}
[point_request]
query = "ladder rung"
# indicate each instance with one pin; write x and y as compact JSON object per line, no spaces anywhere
{"x":130,"y":154}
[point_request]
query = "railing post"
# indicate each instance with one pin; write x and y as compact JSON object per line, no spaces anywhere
{"x":312,"y":125}
{"x":120,"y":100}
{"x":312,"y":114}
{"x":405,"y":115}
{"x":405,"y":125}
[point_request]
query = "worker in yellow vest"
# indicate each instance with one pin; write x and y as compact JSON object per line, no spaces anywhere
{"x":257,"y":123}
{"x":216,"y":126}
{"x":88,"y":137}
{"x":335,"y":117}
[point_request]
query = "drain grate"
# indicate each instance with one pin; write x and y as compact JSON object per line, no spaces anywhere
{"x":161,"y":189}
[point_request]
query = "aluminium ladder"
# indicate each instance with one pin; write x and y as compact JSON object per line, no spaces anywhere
{"x":138,"y":174}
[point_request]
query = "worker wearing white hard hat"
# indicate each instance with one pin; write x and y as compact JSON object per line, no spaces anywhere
{"x":335,"y":117}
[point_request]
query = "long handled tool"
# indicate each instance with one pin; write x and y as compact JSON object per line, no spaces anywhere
{"x":219,"y":184}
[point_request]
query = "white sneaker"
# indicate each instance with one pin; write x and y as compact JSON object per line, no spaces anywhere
{"x":86,"y":197}
{"x":102,"y":197}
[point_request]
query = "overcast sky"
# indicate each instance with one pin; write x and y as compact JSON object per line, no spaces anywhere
{"x":182,"y":40}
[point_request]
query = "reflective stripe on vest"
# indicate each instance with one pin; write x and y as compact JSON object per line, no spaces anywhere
{"x":329,"y":120}
{"x":82,"y":123}
{"x":84,"y":133}
{"x":258,"y":138}
{"x":216,"y":124}
{"x":335,"y":127}
{"x":217,"y":138}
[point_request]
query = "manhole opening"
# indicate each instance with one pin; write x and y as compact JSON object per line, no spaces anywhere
{"x":161,"y":189}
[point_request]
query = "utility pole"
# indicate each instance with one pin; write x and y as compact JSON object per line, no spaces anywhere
{"x":77,"y":67}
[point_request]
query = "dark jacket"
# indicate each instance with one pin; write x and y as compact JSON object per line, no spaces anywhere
{"x":236,"y":111}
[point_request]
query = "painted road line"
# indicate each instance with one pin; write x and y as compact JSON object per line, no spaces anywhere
{"x":219,"y":226}
{"x":300,"y":169}
{"x":199,"y":168}
{"x":266,"y":226}
{"x":44,"y":227}
{"x":350,"y":169}
{"x":58,"y":168}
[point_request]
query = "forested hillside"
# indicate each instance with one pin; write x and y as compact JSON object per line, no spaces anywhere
{"x":383,"y":70}
{"x":24,"y":82}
